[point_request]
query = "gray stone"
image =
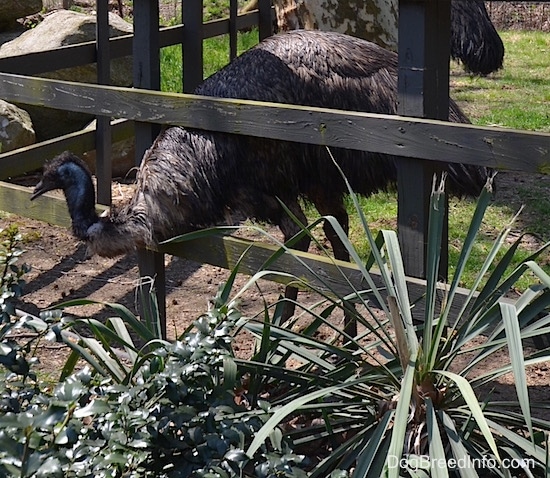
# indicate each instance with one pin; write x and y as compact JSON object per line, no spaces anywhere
{"x":122,"y":156}
{"x":11,"y":10}
{"x":61,"y":28}
{"x":16,"y":128}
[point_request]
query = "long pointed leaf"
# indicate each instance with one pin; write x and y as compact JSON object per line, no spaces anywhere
{"x":284,"y":411}
{"x":114,"y":367}
{"x":436,"y":220}
{"x":122,"y":331}
{"x":467,"y":247}
{"x":460,"y":453}
{"x":437,"y":452}
{"x":401,"y":418}
{"x":515,"y":350}
{"x":535,"y":451}
{"x":367,"y":456}
{"x":473,"y":404}
{"x":401,"y":291}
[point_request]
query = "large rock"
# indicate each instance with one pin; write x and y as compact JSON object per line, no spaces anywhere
{"x":61,"y":28}
{"x":11,"y":10}
{"x":123,"y":155}
{"x":16,"y":128}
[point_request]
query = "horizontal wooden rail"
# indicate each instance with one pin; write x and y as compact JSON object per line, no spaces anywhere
{"x":325,"y":274}
{"x":221,"y":251}
{"x":402,"y":136}
{"x":51,"y":208}
{"x":30,"y":158}
{"x":226,"y":251}
{"x":85,"y":53}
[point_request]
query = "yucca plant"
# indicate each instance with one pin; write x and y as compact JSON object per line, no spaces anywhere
{"x":398,"y":402}
{"x":392,"y":401}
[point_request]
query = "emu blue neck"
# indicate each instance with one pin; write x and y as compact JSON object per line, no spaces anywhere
{"x":80,"y":194}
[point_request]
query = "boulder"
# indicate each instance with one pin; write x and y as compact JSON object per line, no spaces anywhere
{"x":11,"y":10}
{"x":123,"y":156}
{"x":16,"y":128}
{"x":6,"y":37}
{"x":61,"y":28}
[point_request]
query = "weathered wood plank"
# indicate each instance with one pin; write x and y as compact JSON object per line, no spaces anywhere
{"x":146,"y":72}
{"x":339,"y":278}
{"x":222,"y":251}
{"x":233,"y":8}
{"x":265,"y":20}
{"x":409,"y":137}
{"x":85,"y":53}
{"x":423,"y":92}
{"x":225,"y":251}
{"x":192,"y":35}
{"x":30,"y":158}
{"x":51,"y":208}
{"x":103,"y":163}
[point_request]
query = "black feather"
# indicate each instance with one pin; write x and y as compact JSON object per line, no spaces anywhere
{"x":474,"y":39}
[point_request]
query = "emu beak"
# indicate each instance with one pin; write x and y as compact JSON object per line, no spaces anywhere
{"x":40,"y":189}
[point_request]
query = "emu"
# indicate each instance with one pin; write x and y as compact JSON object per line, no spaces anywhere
{"x":474,"y":39}
{"x":189,"y":179}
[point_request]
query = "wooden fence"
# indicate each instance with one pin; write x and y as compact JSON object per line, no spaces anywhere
{"x":423,"y":141}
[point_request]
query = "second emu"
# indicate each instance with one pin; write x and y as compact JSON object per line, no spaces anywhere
{"x":190,"y":179}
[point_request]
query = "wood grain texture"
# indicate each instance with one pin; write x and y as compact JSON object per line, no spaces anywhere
{"x":498,"y":148}
{"x":51,"y":208}
{"x":322,"y":273}
{"x":31,"y":158}
{"x":85,"y":53}
{"x":423,"y":92}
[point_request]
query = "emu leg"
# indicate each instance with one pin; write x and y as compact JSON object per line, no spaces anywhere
{"x":338,"y":211}
{"x":289,"y":228}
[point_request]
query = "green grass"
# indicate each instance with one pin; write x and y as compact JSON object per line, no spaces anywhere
{"x":216,"y":56}
{"x":516,"y":97}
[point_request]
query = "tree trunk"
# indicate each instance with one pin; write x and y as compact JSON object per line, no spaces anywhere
{"x":372,"y":20}
{"x":474,"y":39}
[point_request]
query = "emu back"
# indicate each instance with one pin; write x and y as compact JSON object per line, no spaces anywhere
{"x":321,"y":69}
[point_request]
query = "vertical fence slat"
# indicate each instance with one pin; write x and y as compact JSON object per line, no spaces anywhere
{"x":103,"y":126}
{"x":265,"y":26}
{"x":233,"y":11}
{"x":147,"y":75}
{"x":192,"y":44}
{"x":423,"y":90}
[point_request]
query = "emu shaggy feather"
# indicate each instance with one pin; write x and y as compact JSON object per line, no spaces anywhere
{"x":190,"y":179}
{"x":474,"y":39}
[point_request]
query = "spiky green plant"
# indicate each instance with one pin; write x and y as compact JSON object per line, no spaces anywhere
{"x":399,"y":402}
{"x":396,"y":400}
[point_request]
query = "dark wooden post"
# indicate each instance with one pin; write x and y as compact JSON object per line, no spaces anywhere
{"x":103,"y":123}
{"x":265,"y":26}
{"x":424,"y":39}
{"x":192,"y":44}
{"x":233,"y":12}
{"x":146,"y":54}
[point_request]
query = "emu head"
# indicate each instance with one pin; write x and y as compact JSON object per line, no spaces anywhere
{"x":67,"y":172}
